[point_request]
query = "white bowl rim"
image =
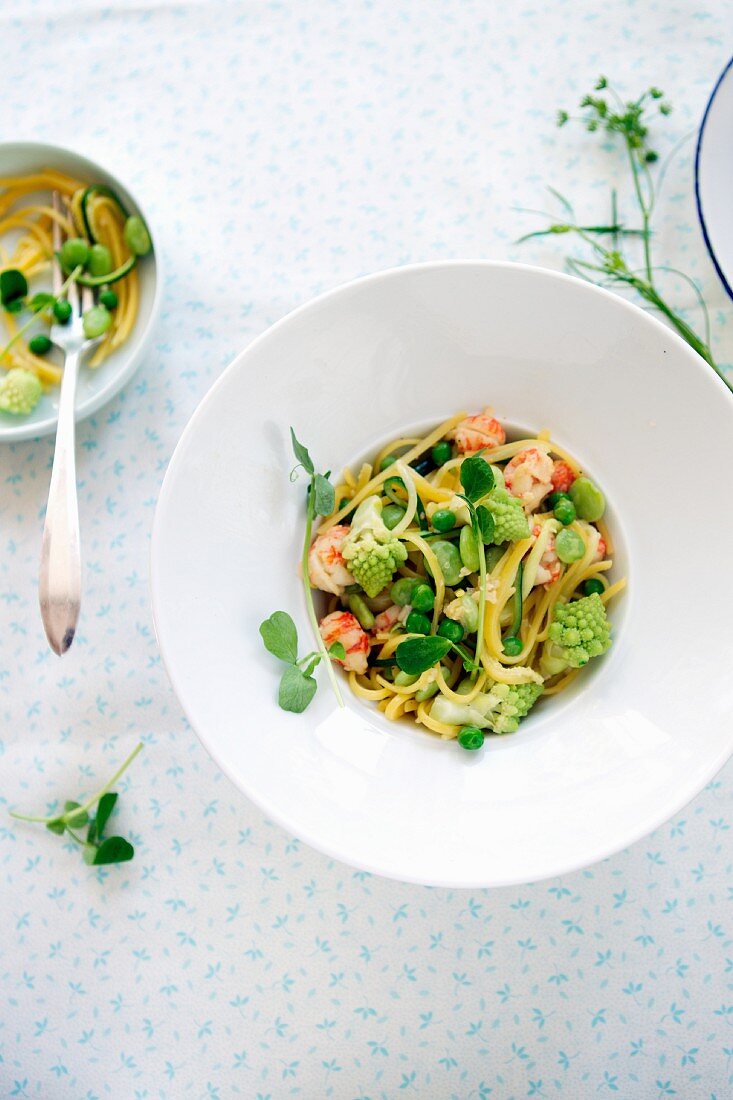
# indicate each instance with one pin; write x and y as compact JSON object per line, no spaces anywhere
{"x":627,"y":837}
{"x":15,"y":433}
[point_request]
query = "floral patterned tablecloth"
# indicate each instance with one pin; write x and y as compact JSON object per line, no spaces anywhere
{"x":282,"y":148}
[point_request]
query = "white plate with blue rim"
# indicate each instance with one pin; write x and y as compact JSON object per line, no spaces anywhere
{"x":95,"y":386}
{"x":714,"y":176}
{"x":589,"y":771}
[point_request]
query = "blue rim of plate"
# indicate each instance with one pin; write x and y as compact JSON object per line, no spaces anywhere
{"x":698,"y":201}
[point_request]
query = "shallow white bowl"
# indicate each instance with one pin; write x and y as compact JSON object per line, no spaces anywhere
{"x":644,"y":728}
{"x":94,"y":387}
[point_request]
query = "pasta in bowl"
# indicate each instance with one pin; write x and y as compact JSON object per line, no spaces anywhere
{"x":400,"y":355}
{"x":55,"y":202}
{"x":465,"y":576}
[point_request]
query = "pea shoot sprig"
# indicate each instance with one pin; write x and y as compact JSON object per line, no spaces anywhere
{"x":279,"y":634}
{"x":96,"y":848}
{"x":477,"y":480}
{"x":604,"y":111}
{"x":416,"y":655}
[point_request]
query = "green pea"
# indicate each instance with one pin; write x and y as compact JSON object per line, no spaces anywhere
{"x":468,"y":549}
{"x":136,"y":236}
{"x":512,"y":646}
{"x":588,"y":499}
{"x":40,"y":345}
{"x":62,"y":311}
{"x":441,"y":453}
{"x":555,"y":498}
{"x":494,"y":554}
{"x":401,"y":591}
{"x":451,"y":630}
{"x":388,"y":460}
{"x":405,"y":679}
{"x":423,"y":598}
{"x":569,"y":546}
{"x":109,"y":299}
{"x":74,"y":251}
{"x":564,"y":512}
{"x":99,"y":260}
{"x":471,"y":738}
{"x":449,"y":560}
{"x":593,"y":584}
{"x":96,"y":321}
{"x":444,"y":520}
{"x":417,"y":623}
{"x":358,"y":607}
{"x":391,"y":513}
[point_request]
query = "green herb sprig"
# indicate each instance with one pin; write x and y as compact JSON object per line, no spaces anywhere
{"x":604,"y":111}
{"x":477,"y":480}
{"x":297,"y":684}
{"x":96,"y":848}
{"x":279,"y":633}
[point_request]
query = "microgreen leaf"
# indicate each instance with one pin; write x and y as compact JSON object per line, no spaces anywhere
{"x":15,"y":305}
{"x":416,"y":655}
{"x":280,"y":636}
{"x":296,"y":690}
{"x":105,"y":807}
{"x":477,"y":477}
{"x":325,"y":495}
{"x":301,"y":453}
{"x":13,"y":285}
{"x":40,"y":301}
{"x":75,"y":819}
{"x":337,"y":651}
{"x":115,"y":849}
{"x":486,"y":523}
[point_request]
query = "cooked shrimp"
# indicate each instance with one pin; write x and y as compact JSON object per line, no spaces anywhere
{"x":550,"y":566}
{"x":385,"y":620}
{"x":601,"y":549}
{"x":529,"y":477}
{"x":326,"y":565}
{"x":342,"y":626}
{"x":562,"y":477}
{"x":476,"y":433}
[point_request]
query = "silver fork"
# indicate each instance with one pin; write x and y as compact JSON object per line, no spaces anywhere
{"x":60,"y":573}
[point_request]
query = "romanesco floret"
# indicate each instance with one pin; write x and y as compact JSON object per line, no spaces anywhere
{"x":579,"y":630}
{"x":20,"y":392}
{"x":499,"y":708}
{"x":511,"y":524}
{"x":370,"y":549}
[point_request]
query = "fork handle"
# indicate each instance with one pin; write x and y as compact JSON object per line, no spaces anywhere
{"x":60,"y":573}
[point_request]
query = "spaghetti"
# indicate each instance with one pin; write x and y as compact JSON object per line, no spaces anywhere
{"x":93,"y":214}
{"x":408,"y":547}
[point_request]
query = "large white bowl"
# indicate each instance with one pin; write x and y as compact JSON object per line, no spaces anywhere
{"x":95,"y":386}
{"x":643,"y":730}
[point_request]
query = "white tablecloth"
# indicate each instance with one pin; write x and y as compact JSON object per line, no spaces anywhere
{"x":282,"y":148}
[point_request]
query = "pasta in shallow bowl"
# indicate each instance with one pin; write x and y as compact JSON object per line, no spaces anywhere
{"x":460,"y":509}
{"x":107,"y":247}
